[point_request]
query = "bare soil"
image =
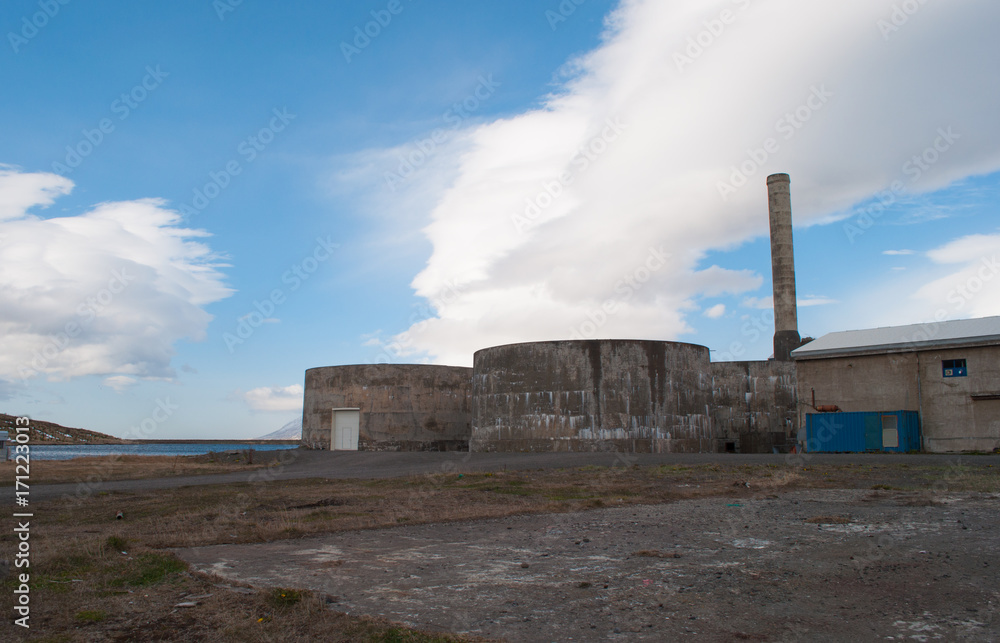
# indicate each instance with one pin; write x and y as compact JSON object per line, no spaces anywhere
{"x":819,"y":565}
{"x":444,"y":539}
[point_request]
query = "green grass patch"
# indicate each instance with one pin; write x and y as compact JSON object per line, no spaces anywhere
{"x":148,"y":569}
{"x":282,"y":598}
{"x":68,"y":566}
{"x":91,"y":616}
{"x":395,"y":635}
{"x":116,"y":543}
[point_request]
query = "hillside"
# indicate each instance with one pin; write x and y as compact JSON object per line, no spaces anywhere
{"x":49,"y":433}
{"x":291,"y":431}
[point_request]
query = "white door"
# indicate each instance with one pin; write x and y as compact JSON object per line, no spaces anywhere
{"x":890,"y":432}
{"x":344,"y":432}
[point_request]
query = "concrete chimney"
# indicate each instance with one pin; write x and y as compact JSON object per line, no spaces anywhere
{"x":786,"y":325}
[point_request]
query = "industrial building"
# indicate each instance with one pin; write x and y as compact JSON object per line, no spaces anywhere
{"x":947,"y":373}
{"x":387,"y":407}
{"x":935,"y":388}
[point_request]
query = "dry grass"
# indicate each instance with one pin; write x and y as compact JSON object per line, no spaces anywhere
{"x":86,"y":589}
{"x":126,"y":467}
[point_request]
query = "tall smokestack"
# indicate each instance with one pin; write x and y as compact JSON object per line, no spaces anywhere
{"x":786,"y":325}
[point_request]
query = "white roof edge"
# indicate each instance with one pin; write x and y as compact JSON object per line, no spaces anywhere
{"x":983,"y":331}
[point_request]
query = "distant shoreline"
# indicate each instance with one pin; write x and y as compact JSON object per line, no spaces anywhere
{"x":55,"y":443}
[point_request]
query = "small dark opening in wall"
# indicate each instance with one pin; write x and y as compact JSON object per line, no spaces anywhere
{"x":730,"y":447}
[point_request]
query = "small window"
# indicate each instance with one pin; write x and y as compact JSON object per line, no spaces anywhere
{"x":954,"y":368}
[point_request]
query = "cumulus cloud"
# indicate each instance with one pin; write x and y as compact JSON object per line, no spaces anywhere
{"x":275,"y":398}
{"x":107,"y":292}
{"x":661,"y":140}
{"x":895,"y":253}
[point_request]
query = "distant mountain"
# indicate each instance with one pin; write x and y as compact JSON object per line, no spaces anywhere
{"x":49,"y":433}
{"x":291,"y":431}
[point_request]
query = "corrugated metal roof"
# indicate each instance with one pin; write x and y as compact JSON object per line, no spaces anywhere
{"x":895,"y":339}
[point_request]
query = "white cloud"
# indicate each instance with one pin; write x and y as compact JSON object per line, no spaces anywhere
{"x":266,"y":320}
{"x":106,"y":292}
{"x":973,"y":289}
{"x":893,"y":253}
{"x":120,"y":382}
{"x":973,"y":247}
{"x":658,"y":141}
{"x":275,"y":398}
{"x":20,"y":192}
{"x":766,"y":303}
{"x":815,"y":301}
{"x":715,"y":311}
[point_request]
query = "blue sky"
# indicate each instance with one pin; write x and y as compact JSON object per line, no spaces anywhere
{"x":265,"y":190}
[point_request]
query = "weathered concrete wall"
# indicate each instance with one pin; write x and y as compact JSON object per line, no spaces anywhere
{"x":754,"y":405}
{"x":951,"y":419}
{"x":404,"y":407}
{"x":628,"y":395}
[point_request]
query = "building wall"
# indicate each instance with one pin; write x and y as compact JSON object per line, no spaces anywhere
{"x":754,"y":405}
{"x":404,"y":407}
{"x":859,"y":383}
{"x":627,"y":395}
{"x":950,"y":419}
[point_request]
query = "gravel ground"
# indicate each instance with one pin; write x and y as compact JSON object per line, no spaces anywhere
{"x":297,"y":464}
{"x":819,"y":565}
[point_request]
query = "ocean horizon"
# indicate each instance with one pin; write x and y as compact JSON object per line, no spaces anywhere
{"x":70,"y":451}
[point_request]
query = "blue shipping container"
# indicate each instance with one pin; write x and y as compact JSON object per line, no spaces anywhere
{"x":892,"y":431}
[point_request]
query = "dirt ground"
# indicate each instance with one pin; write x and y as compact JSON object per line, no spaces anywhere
{"x":808,"y":564}
{"x":408,"y":547}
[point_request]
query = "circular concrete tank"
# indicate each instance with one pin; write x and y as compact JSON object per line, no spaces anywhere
{"x":627,"y":395}
{"x":404,"y":407}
